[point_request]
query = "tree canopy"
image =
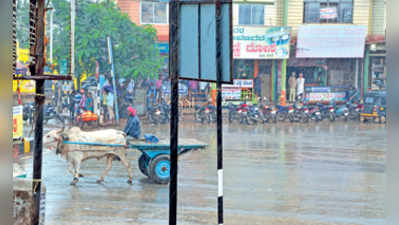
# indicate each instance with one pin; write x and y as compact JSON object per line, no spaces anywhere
{"x":134,"y":47}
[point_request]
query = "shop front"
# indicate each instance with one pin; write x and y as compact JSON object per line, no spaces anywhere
{"x":377,"y":67}
{"x":329,"y":57}
{"x":254,"y":50}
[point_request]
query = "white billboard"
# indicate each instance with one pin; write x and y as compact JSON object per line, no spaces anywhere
{"x":331,"y":41}
{"x":261,"y":42}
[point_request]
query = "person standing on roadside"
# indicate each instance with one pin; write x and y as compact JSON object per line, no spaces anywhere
{"x":89,"y":102}
{"x":300,"y":85}
{"x":110,"y":105}
{"x":292,"y":86}
{"x":158,"y":85}
{"x":83,"y":99}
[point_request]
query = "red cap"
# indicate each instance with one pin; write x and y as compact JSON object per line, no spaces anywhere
{"x":131,"y":110}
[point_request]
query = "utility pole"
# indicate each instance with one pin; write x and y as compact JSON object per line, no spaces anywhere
{"x":219,"y":118}
{"x":111,"y":61}
{"x":37,"y":69}
{"x":73,"y":12}
{"x":51,"y":32}
{"x":174,"y":121}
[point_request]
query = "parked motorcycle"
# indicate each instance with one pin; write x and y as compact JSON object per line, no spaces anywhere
{"x":354,"y":110}
{"x":50,"y":113}
{"x":234,"y":113}
{"x":341,"y":111}
{"x":311,"y":113}
{"x":206,"y":113}
{"x":28,"y":111}
{"x":269,"y":112}
{"x":295,"y":112}
{"x":255,"y":115}
{"x":327,"y":111}
{"x":157,"y":114}
{"x":243,"y":112}
{"x":282,"y":112}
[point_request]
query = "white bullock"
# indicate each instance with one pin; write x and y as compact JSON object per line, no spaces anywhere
{"x":75,"y":154}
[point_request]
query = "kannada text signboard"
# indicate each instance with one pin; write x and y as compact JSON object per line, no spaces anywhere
{"x":261,"y":42}
{"x":233,"y":91}
{"x":331,"y":41}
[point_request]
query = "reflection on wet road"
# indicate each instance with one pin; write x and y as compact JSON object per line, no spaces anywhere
{"x":283,"y":174}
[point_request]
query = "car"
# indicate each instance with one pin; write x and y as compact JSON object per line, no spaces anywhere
{"x":374,"y":107}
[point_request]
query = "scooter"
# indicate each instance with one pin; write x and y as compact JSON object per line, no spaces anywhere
{"x":341,"y":111}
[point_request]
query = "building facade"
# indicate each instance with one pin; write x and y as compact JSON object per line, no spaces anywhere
{"x":154,"y":13}
{"x":336,"y":44}
{"x":318,"y":26}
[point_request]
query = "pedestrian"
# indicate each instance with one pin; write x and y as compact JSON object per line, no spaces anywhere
{"x":76,"y":102}
{"x":158,"y":85}
{"x":82,"y":103}
{"x":292,"y":86}
{"x":110,"y":105}
{"x":300,"y":85}
{"x":89,"y":102}
{"x":133,"y":127}
{"x":130,"y":87}
{"x":104,"y":105}
{"x":72,"y":105}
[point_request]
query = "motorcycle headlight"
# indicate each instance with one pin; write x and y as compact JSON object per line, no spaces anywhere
{"x":382,"y":108}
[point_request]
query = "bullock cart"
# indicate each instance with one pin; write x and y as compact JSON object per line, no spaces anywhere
{"x":154,"y":161}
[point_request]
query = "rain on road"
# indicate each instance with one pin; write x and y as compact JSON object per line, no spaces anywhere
{"x":280,"y":174}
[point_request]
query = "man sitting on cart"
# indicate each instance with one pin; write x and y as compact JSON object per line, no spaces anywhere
{"x":133,"y":127}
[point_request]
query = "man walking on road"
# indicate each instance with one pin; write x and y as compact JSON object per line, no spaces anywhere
{"x":300,"y":85}
{"x":292,"y":85}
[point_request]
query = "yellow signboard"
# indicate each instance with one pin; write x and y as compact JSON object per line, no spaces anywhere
{"x":25,"y":86}
{"x":17,"y":128}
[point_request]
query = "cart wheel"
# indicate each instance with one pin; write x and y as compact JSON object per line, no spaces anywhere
{"x":143,"y":164}
{"x":160,"y":169}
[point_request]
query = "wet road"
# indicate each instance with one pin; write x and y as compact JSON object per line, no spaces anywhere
{"x":283,"y":174}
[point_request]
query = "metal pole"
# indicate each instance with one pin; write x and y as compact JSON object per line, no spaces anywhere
{"x":73,"y":12}
{"x":219,"y":118}
{"x":39,"y":102}
{"x":366,"y":71}
{"x":51,"y":34}
{"x":111,"y":61}
{"x":174,"y":122}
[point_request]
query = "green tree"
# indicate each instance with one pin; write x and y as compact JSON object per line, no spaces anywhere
{"x":134,"y":47}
